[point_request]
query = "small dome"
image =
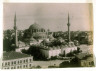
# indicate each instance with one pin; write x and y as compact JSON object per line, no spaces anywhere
{"x":51,"y":38}
{"x":32,"y":39}
{"x":44,"y":41}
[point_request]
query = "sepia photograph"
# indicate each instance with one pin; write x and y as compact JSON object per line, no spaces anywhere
{"x":47,"y":35}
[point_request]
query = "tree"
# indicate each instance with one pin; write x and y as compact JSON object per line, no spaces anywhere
{"x":34,"y":50}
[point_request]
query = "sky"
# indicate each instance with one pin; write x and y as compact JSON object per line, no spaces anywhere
{"x":53,"y":16}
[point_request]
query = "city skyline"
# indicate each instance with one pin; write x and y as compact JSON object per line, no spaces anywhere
{"x":50,"y":16}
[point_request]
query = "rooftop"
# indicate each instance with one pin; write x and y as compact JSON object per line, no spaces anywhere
{"x":36,"y":26}
{"x":13,"y":55}
{"x":84,"y":56}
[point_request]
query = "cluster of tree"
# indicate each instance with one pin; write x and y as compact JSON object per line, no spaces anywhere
{"x":9,"y":44}
{"x":80,"y":36}
{"x":53,"y":58}
{"x":9,"y":40}
{"x":56,"y":42}
{"x":34,"y":50}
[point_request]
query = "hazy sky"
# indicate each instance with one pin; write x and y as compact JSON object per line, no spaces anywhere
{"x":52,"y":16}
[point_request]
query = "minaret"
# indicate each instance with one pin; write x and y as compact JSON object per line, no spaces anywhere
{"x":15,"y":28}
{"x":68,"y":29}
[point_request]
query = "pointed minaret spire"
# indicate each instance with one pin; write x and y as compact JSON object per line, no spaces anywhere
{"x":15,"y":21}
{"x":15,"y":28}
{"x":68,"y":29}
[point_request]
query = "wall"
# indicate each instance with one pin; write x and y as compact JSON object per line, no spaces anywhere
{"x":20,"y":64}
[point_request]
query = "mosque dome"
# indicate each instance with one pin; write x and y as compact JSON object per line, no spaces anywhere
{"x":36,"y":26}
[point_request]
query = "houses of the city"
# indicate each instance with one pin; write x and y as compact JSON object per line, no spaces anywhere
{"x":19,"y":60}
{"x":85,"y":60}
{"x":49,"y":52}
{"x":16,"y":60}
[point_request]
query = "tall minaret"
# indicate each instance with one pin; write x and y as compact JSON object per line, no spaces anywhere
{"x":15,"y":28}
{"x":68,"y":29}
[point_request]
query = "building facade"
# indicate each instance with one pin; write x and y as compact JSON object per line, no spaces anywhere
{"x":15,"y":60}
{"x":48,"y":52}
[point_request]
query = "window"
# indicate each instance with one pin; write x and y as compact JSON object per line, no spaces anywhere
{"x":24,"y":61}
{"x":14,"y":62}
{"x":89,"y":63}
{"x":5,"y":68}
{"x":20,"y":61}
{"x":30,"y":65}
{"x":5,"y":63}
{"x":23,"y":66}
{"x":14,"y":67}
{"x":26,"y":66}
{"x":18,"y":67}
{"x":92,"y":63}
{"x":11,"y":67}
{"x":8,"y":63}
{"x":30,"y":60}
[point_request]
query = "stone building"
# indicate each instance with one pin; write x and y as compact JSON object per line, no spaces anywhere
{"x":85,"y":60}
{"x":37,"y":31}
{"x":16,"y":60}
{"x":48,"y":52}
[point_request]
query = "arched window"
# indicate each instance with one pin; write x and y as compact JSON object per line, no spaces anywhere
{"x":24,"y":61}
{"x":20,"y":61}
{"x":30,"y":60}
{"x":11,"y":67}
{"x":23,"y":66}
{"x":5,"y":63}
{"x":26,"y":66}
{"x":30,"y":65}
{"x":8,"y":63}
{"x":18,"y":67}
{"x":12,"y":63}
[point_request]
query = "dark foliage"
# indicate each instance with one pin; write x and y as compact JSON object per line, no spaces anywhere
{"x":7,"y":45}
{"x":73,"y":63}
{"x":34,"y":50}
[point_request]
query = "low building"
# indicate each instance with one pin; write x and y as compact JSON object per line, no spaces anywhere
{"x":33,"y":41}
{"x":21,"y":48}
{"x":67,"y":49}
{"x":21,"y":44}
{"x":16,"y":60}
{"x":48,"y":52}
{"x":85,"y":60}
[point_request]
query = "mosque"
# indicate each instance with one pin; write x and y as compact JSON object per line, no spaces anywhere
{"x":39,"y":34}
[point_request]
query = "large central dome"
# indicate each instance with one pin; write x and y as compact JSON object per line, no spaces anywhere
{"x":37,"y":31}
{"x":35,"y":26}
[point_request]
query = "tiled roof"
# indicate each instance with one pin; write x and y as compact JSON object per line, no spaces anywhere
{"x":13,"y":55}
